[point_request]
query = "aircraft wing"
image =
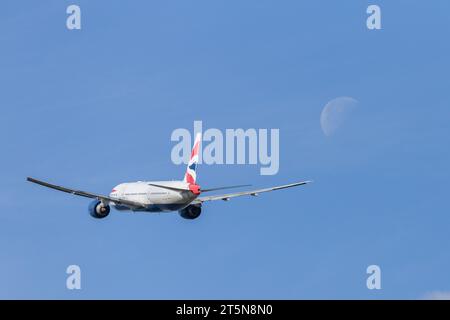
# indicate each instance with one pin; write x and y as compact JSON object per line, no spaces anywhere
{"x":226,"y":197}
{"x":107,"y":199}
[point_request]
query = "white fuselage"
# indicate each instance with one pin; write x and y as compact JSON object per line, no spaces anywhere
{"x":156,"y":199}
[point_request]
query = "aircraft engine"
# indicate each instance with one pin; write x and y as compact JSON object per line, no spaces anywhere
{"x":98,"y":210}
{"x":191,"y":212}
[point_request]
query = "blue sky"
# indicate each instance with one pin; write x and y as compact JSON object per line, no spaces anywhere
{"x":94,"y":107}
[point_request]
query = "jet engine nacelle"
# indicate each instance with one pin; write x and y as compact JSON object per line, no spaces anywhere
{"x":98,"y":210}
{"x":191,"y":212}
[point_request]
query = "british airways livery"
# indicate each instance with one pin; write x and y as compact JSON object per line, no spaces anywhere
{"x":160,"y":196}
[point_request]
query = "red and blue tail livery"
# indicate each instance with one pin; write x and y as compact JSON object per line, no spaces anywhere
{"x":191,"y":175}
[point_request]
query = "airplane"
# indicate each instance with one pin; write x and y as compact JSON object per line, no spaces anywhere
{"x":160,"y":196}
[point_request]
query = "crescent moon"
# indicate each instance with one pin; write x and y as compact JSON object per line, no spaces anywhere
{"x":335,"y":113}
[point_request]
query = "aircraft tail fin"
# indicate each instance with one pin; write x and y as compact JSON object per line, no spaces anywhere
{"x":191,"y":171}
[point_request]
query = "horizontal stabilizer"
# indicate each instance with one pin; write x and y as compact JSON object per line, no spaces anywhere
{"x":227,"y":187}
{"x":167,"y":187}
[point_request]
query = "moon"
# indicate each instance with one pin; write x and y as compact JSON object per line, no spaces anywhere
{"x":335,"y":113}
